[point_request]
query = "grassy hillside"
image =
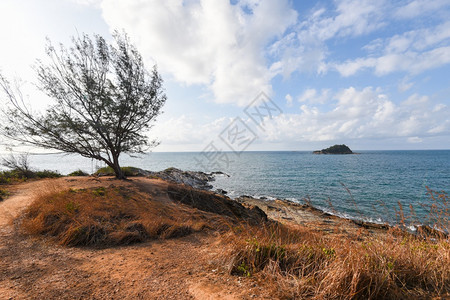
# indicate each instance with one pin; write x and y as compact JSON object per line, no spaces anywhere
{"x":292,"y":261}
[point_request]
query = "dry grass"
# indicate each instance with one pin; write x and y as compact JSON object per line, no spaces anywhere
{"x":299,"y":263}
{"x":109,"y":216}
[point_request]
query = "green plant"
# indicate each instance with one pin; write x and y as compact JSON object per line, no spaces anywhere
{"x":11,"y":176}
{"x":243,"y":270}
{"x":99,"y":192}
{"x":108,"y":171}
{"x":329,"y":251}
{"x":78,"y":173}
{"x":72,"y":207}
{"x":6,"y":177}
{"x":47,"y":174}
{"x":3,"y":194}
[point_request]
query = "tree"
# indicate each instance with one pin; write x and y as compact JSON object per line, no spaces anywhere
{"x":104,"y":101}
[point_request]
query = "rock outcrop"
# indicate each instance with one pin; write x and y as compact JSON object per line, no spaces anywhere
{"x":336,"y":149}
{"x":218,"y":204}
{"x":198,"y":180}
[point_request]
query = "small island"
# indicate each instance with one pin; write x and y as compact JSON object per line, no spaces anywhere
{"x":336,"y":149}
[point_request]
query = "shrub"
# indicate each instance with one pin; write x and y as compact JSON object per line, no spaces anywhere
{"x":6,"y":177}
{"x":108,"y":171}
{"x":11,"y":176}
{"x":78,"y":173}
{"x":46,"y":174}
{"x":3,"y":194}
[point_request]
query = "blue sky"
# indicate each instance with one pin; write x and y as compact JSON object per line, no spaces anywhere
{"x":371,"y":74}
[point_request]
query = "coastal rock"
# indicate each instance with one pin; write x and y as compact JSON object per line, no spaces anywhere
{"x":198,"y":180}
{"x":336,"y":149}
{"x":222,"y":192}
{"x":370,"y":225}
{"x":426,"y":231}
{"x":215,"y":203}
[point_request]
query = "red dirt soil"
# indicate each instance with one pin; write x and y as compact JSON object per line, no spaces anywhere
{"x":181,"y":268}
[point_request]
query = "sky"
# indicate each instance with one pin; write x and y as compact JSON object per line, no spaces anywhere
{"x":265,"y":74}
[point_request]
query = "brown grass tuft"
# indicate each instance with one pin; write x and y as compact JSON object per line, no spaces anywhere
{"x":110,"y":216}
{"x":299,"y":263}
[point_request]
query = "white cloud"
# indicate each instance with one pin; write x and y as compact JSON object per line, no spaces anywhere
{"x":411,"y":62}
{"x":414,"y":140}
{"x":418,"y":40}
{"x":213,"y":43}
{"x":439,"y":107}
{"x":353,"y":18}
{"x":235,"y":50}
{"x":350,"y":67}
{"x":362,"y":114}
{"x":405,"y":85}
{"x":413,"y":52}
{"x":186,"y":130}
{"x":419,"y":7}
{"x":416,"y":100}
{"x":374,"y":45}
{"x":18,"y":41}
{"x":289,"y":100}
{"x":305,"y":49}
{"x":312,"y":96}
{"x":307,"y":94}
{"x":94,"y":3}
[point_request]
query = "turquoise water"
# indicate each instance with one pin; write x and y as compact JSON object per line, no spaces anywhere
{"x":368,"y":185}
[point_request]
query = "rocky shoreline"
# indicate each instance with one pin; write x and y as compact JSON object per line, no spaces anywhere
{"x":281,"y":210}
{"x":286,"y":211}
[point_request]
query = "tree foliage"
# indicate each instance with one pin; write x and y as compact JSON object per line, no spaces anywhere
{"x":104,"y":101}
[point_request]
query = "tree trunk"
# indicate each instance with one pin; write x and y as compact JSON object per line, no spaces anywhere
{"x":117,"y":170}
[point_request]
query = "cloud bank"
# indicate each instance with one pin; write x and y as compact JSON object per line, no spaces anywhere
{"x":212,"y":43}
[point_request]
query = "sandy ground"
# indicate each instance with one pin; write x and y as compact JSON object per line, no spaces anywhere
{"x":182,"y":268}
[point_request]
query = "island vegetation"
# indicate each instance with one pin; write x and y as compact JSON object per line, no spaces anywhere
{"x":336,"y":149}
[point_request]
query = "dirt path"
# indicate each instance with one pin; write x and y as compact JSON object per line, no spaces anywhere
{"x":182,"y":268}
{"x":13,"y":206}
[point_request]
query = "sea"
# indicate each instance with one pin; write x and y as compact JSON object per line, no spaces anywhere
{"x":376,"y":186}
